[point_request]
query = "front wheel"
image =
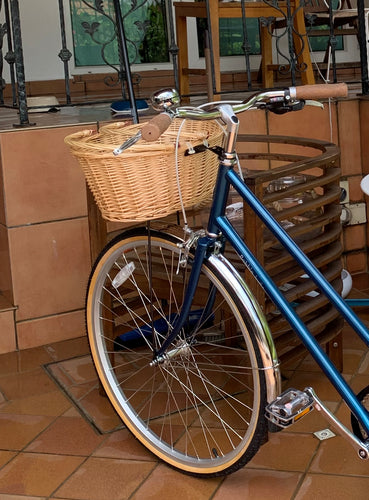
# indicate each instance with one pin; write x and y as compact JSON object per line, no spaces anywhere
{"x":202,"y":409}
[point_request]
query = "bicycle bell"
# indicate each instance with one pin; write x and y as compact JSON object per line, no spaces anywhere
{"x":164,"y":99}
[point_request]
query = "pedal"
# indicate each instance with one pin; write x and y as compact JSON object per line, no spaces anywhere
{"x":289,"y":407}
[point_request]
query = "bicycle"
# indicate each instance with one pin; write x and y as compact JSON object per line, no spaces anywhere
{"x":180,"y":344}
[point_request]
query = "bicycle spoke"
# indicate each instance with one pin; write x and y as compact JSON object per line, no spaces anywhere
{"x":200,"y":406}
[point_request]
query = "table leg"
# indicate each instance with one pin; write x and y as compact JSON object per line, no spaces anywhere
{"x":181,"y":26}
{"x":302,"y":48}
{"x":214,"y":24}
{"x":266,"y":57}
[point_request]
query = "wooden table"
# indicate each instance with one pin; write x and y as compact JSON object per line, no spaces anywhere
{"x":218,"y":10}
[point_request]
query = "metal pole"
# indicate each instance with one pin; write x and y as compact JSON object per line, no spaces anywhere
{"x":211,"y":45}
{"x":173,"y":49}
{"x":124,"y":56}
{"x":291,"y":48}
{"x":19,"y":64}
{"x":332,"y":42}
{"x":9,"y":56}
{"x":64,"y":54}
{"x":246,"y":44}
{"x":3,"y":29}
{"x":363,"y":43}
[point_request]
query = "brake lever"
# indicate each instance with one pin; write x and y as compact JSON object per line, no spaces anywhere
{"x":317,"y":104}
{"x":281,"y":107}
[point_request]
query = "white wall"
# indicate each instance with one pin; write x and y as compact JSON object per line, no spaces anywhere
{"x":40,"y":30}
{"x":40,"y":27}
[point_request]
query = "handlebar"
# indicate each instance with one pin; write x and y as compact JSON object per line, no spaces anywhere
{"x":279,"y":101}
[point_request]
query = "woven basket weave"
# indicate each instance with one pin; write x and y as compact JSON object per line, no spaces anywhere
{"x":141,"y":183}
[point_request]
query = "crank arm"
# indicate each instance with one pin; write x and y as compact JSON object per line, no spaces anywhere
{"x":293,"y":404}
{"x":361,"y":448}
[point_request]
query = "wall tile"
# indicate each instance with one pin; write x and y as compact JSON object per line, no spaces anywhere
{"x":2,"y":194}
{"x":356,"y":262}
{"x":7,"y":332}
{"x":255,"y":123}
{"x":311,"y":122}
{"x":55,"y":328}
{"x":364,"y":131}
{"x":6,"y":286}
{"x":354,"y":237}
{"x":42,"y":181}
{"x":349,"y":137}
{"x":355,"y":191}
{"x":50,"y":267}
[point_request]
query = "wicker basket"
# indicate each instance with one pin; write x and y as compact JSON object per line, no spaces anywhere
{"x":141,"y":183}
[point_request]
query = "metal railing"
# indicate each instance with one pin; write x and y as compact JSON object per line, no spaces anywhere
{"x":10,"y":34}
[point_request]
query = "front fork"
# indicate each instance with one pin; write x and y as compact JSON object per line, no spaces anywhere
{"x":227,"y":159}
{"x":203,"y":246}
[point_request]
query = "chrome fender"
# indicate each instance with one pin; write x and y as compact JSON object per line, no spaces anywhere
{"x":264,"y":337}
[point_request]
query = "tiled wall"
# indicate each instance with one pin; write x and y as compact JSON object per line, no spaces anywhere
{"x":353,"y":116}
{"x":44,"y":239}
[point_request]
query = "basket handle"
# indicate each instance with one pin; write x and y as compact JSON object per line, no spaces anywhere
{"x":152,"y":130}
{"x":76,"y":136}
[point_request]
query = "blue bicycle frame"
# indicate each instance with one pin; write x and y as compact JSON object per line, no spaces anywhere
{"x":218,"y":223}
{"x":220,"y":230}
{"x":282,"y":304}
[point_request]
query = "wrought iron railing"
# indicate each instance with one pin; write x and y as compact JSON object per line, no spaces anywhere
{"x":10,"y":35}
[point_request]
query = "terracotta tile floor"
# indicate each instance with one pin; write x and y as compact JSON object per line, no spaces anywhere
{"x":55,"y":446}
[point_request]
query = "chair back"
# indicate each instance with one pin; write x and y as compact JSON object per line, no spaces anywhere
{"x":321,"y":6}
{"x":315,"y":6}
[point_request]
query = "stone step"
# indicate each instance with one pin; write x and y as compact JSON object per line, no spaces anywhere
{"x":5,"y":304}
{"x":8,"y":340}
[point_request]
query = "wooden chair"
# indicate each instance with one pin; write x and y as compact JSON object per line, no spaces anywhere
{"x":317,"y":22}
{"x":343,"y":15}
{"x":344,"y":19}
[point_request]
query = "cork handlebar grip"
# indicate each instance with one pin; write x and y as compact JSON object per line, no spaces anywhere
{"x":321,"y":91}
{"x":152,"y":130}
